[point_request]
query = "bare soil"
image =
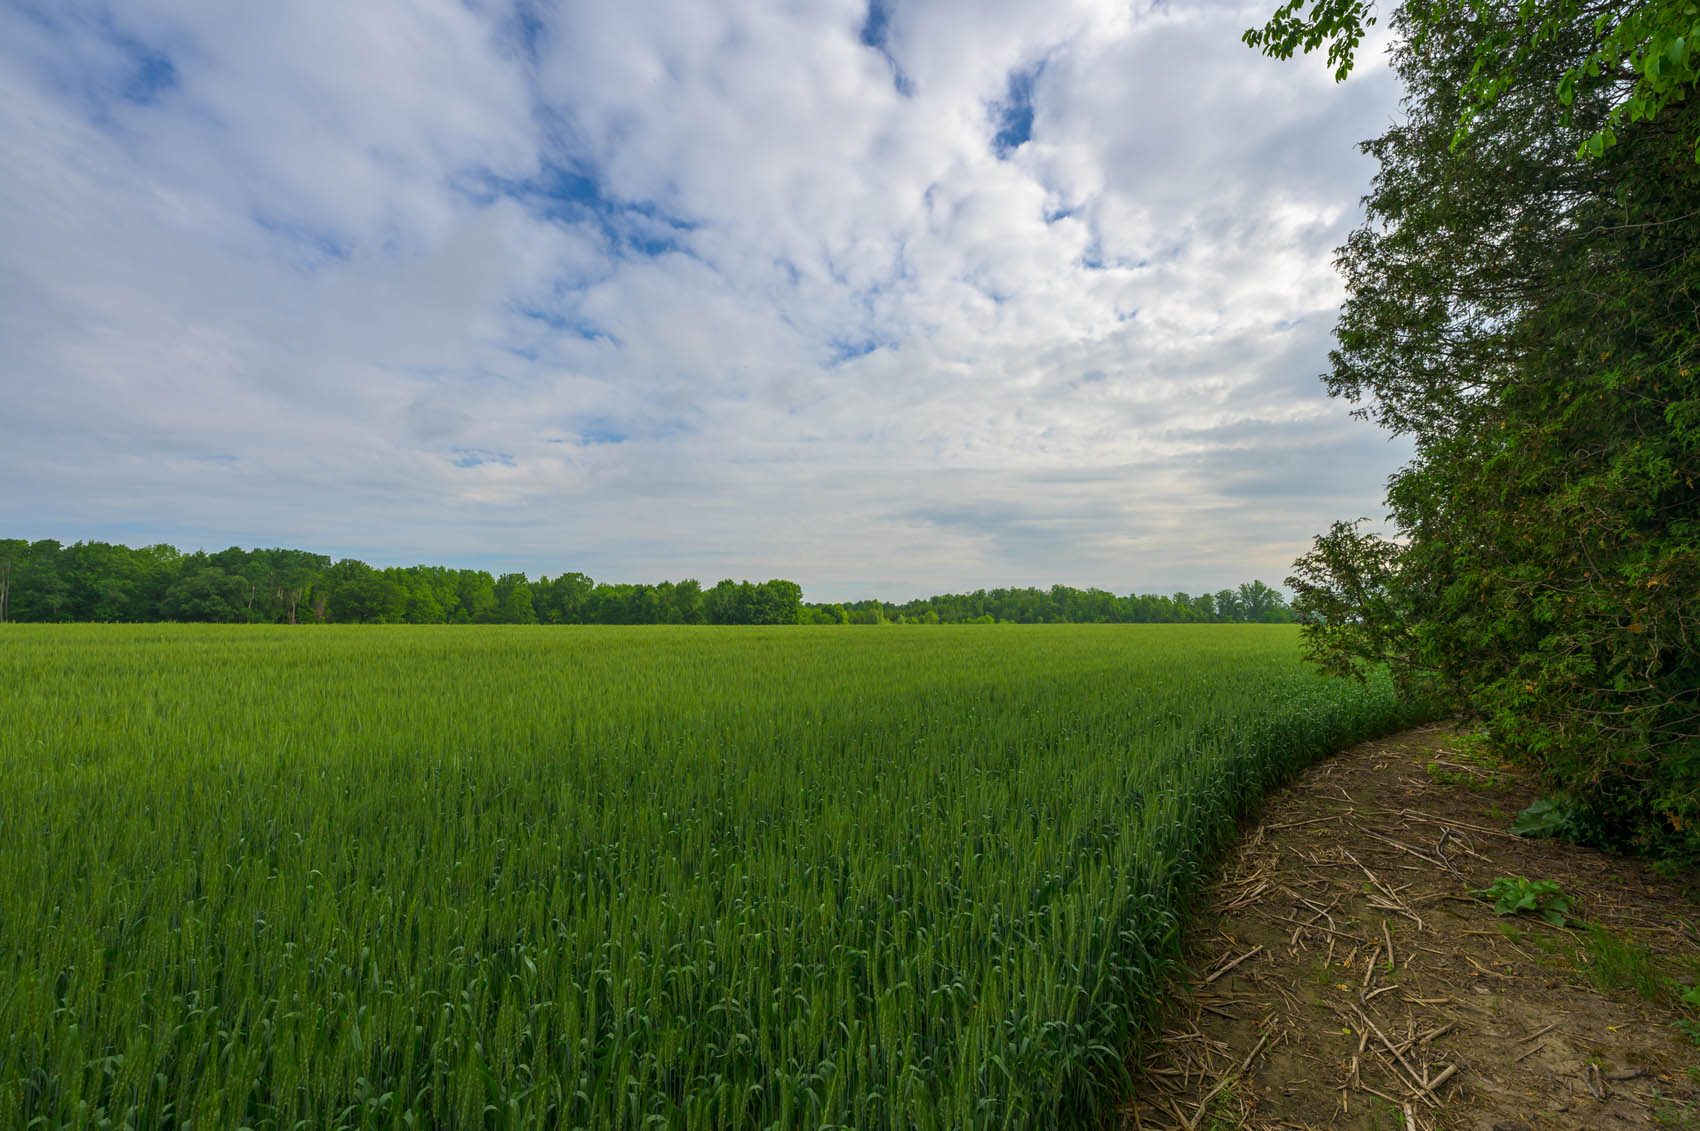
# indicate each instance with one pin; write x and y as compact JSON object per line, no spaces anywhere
{"x":1342,"y":974}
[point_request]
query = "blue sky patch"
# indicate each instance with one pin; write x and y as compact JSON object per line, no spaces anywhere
{"x":564,"y":323}
{"x":599,"y":430}
{"x":478,"y":457}
{"x":875,"y":33}
{"x":570,"y":191}
{"x":849,"y":349}
{"x":320,"y":244}
{"x":152,"y":73}
{"x":1015,"y":112}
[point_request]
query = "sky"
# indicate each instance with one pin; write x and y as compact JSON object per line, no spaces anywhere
{"x":890,"y":298}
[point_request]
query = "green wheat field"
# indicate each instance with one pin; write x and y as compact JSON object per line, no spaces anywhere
{"x":615,"y":877}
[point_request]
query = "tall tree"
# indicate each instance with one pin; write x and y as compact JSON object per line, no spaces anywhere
{"x":1523,"y":305}
{"x":1649,"y":50}
{"x":12,"y":551}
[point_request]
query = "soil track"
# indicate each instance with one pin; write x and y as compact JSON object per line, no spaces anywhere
{"x":1341,"y":973}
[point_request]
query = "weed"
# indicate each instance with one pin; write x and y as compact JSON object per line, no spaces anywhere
{"x":1462,"y":779}
{"x":1550,"y":816}
{"x":1613,"y":962}
{"x":1689,"y":1025}
{"x":1516,"y":895}
{"x":1224,"y":1113}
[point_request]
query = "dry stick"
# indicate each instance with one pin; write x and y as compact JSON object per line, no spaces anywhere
{"x":1412,"y":814}
{"x":1424,"y":1038}
{"x":1180,"y":1115}
{"x":1321,"y":911}
{"x":1390,"y":893}
{"x":1445,"y":1075}
{"x":1246,"y":897}
{"x":1387,"y":937}
{"x":1224,"y":969}
{"x":1255,"y":1049}
{"x":1544,"y":1029}
{"x":1316,"y":927}
{"x":1403,"y":847}
{"x":1208,"y":1096}
{"x":1397,"y":1055}
{"x":1301,"y":824}
{"x":1532,"y":1051}
{"x":1374,"y":1092}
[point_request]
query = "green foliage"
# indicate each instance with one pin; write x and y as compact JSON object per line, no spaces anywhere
{"x":615,"y":877}
{"x":1526,"y":317}
{"x":1251,"y":603}
{"x":1614,"y":962}
{"x":95,"y":581}
{"x":1550,"y":816}
{"x":1305,"y":25}
{"x":1646,"y":51}
{"x":1690,"y":1025}
{"x":1515,"y":895}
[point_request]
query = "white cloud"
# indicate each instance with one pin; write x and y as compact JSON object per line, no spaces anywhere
{"x":680,"y":289}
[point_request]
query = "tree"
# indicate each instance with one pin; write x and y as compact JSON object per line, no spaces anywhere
{"x":775,"y":602}
{"x":1522,"y":305}
{"x":1648,"y":49}
{"x":360,"y":594}
{"x":513,"y":600}
{"x":1257,"y":602}
{"x":206,"y":593}
{"x":12,"y":551}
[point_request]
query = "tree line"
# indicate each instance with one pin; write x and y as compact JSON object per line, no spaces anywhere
{"x":1523,"y":302}
{"x":1253,"y":602}
{"x":46,"y":581}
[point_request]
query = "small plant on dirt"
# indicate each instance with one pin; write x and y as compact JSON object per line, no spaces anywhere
{"x":1516,"y":895}
{"x":1688,"y":1025}
{"x":1550,"y":816}
{"x":1616,"y":963}
{"x":1224,"y":1113}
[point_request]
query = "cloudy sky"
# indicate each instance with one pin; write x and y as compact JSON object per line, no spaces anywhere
{"x":890,"y":298}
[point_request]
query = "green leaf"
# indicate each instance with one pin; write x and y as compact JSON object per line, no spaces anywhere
{"x":1546,"y":817}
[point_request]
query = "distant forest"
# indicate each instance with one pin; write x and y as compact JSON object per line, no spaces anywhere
{"x":99,"y":581}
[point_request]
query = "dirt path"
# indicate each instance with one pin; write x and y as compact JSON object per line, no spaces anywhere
{"x":1342,"y":975}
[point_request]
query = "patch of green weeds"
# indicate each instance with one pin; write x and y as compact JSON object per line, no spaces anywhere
{"x":1383,"y":1113}
{"x":1518,"y":895}
{"x":1550,"y":816}
{"x":1690,"y":997}
{"x":1674,"y":1113}
{"x":1614,"y":962}
{"x":1223,"y":1113}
